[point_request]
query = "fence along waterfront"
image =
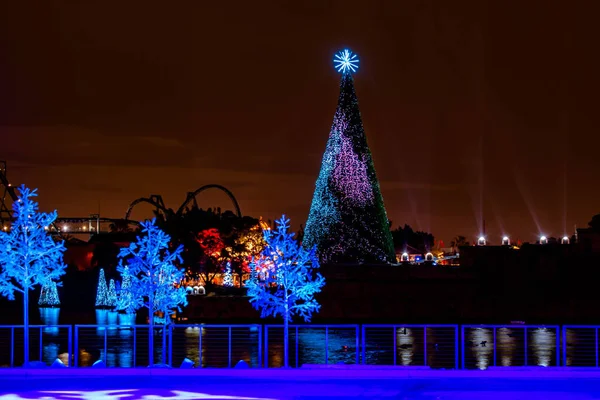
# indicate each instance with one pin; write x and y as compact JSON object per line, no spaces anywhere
{"x":222,"y":346}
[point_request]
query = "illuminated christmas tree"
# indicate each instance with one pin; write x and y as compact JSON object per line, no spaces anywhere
{"x":29,"y":256}
{"x":347,"y":220}
{"x":284,"y":280}
{"x":112,"y":293}
{"x":227,"y":277}
{"x":102,"y":299}
{"x":49,"y":295}
{"x":154,"y":278}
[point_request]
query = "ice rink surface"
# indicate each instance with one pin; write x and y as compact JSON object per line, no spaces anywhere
{"x":319,"y":383}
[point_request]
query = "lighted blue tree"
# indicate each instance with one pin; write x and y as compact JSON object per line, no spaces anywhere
{"x":29,"y":256}
{"x":49,"y":295}
{"x":347,"y":220}
{"x":283,"y":280}
{"x":153,"y":276}
{"x":112,"y":294}
{"x":102,"y":300}
{"x":124,"y":297}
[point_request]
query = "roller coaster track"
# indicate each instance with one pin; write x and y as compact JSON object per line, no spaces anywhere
{"x":5,"y":212}
{"x":61,"y":224}
{"x":159,"y":205}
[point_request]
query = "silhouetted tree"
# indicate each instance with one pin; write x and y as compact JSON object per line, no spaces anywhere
{"x":404,"y":237}
{"x":594,"y":224}
{"x":459,"y":241}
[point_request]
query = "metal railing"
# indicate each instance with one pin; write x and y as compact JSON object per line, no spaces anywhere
{"x":118,"y":345}
{"x":435,"y":346}
{"x":486,"y":346}
{"x":216,"y":345}
{"x":46,"y":344}
{"x":312,"y":344}
{"x":222,"y":346}
{"x":580,"y":345}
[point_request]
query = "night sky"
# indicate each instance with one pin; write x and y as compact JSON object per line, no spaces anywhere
{"x":472,"y":109}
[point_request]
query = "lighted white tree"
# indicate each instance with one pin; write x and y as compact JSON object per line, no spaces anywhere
{"x":29,"y":256}
{"x":227,"y":277}
{"x":153,"y":277}
{"x":283,"y":280}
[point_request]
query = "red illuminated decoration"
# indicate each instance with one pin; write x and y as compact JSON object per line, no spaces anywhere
{"x":211,"y":261}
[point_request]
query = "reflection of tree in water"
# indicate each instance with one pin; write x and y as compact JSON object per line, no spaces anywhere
{"x":341,"y":346}
{"x":507,"y":346}
{"x":543,"y":341}
{"x":191,"y":336}
{"x":405,"y":346}
{"x":480,"y":341}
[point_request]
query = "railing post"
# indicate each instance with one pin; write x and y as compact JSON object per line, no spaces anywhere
{"x":564,"y":345}
{"x":425,"y":345}
{"x":326,"y":344}
{"x":456,"y":356}
{"x":259,"y":345}
{"x":171,"y":345}
{"x":462,"y":346}
{"x":229,"y":349}
{"x":558,"y":346}
{"x":526,"y":346}
{"x":76,"y":349}
{"x":596,"y":347}
{"x":495,"y":347}
{"x":134,"y":345}
{"x":200,"y":347}
{"x":266,"y":355}
{"x":364,"y":345}
{"x":395,"y":341}
{"x":356,"y":333}
{"x":12,"y":346}
{"x":41,"y":344}
{"x":70,"y":345}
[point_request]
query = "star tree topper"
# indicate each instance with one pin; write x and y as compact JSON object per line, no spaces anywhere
{"x":345,"y":61}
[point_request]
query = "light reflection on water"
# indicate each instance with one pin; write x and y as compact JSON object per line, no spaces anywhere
{"x":510,"y":347}
{"x":481,"y":342}
{"x":341,"y":345}
{"x":405,"y":342}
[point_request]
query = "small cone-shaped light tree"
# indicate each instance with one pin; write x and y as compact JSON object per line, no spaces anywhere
{"x":347,"y":220}
{"x":29,"y":256}
{"x":124,"y":300}
{"x":49,"y":295}
{"x":283,"y":279}
{"x":102,"y":291}
{"x":153,"y":277}
{"x":112,"y":294}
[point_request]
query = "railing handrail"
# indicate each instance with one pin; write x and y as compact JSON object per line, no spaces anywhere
{"x":510,"y":326}
{"x":218,"y":325}
{"x":312,"y":326}
{"x":357,"y":333}
{"x":37,"y":326}
{"x":412,"y":325}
